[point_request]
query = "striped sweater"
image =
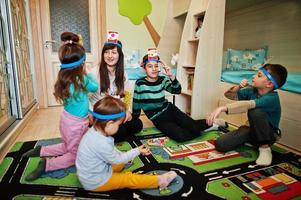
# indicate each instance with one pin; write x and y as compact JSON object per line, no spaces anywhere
{"x":150,"y":96}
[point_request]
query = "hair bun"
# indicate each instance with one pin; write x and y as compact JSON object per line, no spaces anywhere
{"x":69,"y":38}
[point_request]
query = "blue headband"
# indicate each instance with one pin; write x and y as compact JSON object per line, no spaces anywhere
{"x":115,"y":43}
{"x":269,"y":77}
{"x":74,"y":64}
{"x":151,"y":60}
{"x":107,"y":117}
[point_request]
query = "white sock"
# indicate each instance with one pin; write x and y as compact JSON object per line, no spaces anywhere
{"x":221,"y":122}
{"x":214,"y":127}
{"x":165,"y":179}
{"x":265,"y":156}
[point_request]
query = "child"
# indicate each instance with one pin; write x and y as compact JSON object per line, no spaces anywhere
{"x":71,"y":88}
{"x":263,"y":106}
{"x":114,"y":81}
{"x":149,"y":95}
{"x":99,"y":163}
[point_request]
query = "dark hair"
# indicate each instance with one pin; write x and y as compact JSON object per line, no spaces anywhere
{"x":145,"y":59}
{"x":70,"y":51}
{"x":107,"y":105}
{"x":119,"y":71}
{"x":278,"y":72}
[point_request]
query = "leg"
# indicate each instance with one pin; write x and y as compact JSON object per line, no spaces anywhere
{"x":128,"y":129}
{"x":37,"y":172}
{"x":185,"y":121}
{"x":118,"y":168}
{"x":53,"y":150}
{"x":72,"y":129}
{"x":263,"y":134}
{"x":129,"y":180}
{"x":137,"y":181}
{"x":262,"y":131}
{"x":35,"y":152}
{"x":175,"y":132}
{"x":231,"y":140}
{"x":134,"y":126}
{"x":167,"y":123}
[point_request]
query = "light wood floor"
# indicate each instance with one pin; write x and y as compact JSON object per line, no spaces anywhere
{"x":45,"y":124}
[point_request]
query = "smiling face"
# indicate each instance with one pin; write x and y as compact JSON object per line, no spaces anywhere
{"x":261,"y":81}
{"x":152,"y":70}
{"x":111,"y":56}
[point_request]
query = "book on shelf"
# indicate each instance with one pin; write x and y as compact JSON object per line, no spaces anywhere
{"x":190,"y":78}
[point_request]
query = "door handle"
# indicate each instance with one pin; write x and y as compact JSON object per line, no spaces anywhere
{"x":47,"y":43}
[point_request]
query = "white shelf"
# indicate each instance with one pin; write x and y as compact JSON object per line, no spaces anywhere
{"x":180,"y":15}
{"x":194,"y":40}
{"x":202,"y":13}
{"x":188,"y":66}
{"x":199,"y":56}
{"x":187,"y":92}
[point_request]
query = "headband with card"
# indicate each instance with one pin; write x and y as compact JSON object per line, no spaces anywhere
{"x":270,"y":77}
{"x":152,"y":56}
{"x":107,"y":116}
{"x":74,"y":64}
{"x":113,"y":38}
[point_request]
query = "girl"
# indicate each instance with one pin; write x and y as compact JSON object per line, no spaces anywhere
{"x":71,"y":88}
{"x":113,"y":81}
{"x":149,"y":95}
{"x":98,"y":162}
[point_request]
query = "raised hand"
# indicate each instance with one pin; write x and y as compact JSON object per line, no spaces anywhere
{"x":243,"y":83}
{"x":167,"y":71}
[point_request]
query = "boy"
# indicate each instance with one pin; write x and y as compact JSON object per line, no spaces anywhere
{"x":149,"y":95}
{"x":263,"y":106}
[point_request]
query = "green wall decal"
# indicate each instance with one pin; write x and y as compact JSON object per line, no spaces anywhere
{"x":137,"y":11}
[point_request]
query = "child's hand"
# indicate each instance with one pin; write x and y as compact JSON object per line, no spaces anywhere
{"x":243,"y":83}
{"x":144,"y":150}
{"x":90,"y":118}
{"x":167,"y":71}
{"x":128,"y":117}
{"x":210,"y":119}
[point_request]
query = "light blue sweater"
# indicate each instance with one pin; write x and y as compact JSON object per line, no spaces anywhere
{"x":78,"y":103}
{"x":96,"y":153}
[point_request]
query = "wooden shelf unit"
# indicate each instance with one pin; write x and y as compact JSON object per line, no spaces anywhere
{"x":200,"y":58}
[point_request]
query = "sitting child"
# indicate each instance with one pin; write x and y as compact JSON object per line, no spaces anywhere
{"x":99,"y":163}
{"x":263,"y":106}
{"x":149,"y":95}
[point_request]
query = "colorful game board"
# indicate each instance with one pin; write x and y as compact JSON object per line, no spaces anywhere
{"x":204,"y":174}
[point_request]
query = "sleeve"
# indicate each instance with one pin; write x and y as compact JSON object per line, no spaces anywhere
{"x":174,"y":87}
{"x":91,"y":83}
{"x":240,"y":106}
{"x":265,"y":101}
{"x":244,"y":94}
{"x":230,"y":94}
{"x":114,"y":156}
{"x":136,"y":103}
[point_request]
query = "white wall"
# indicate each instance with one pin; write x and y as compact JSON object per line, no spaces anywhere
{"x":275,"y":23}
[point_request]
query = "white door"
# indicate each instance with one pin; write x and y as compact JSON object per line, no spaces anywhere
{"x":78,"y":16}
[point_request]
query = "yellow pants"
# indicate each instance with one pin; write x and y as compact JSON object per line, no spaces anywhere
{"x":130,"y":180}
